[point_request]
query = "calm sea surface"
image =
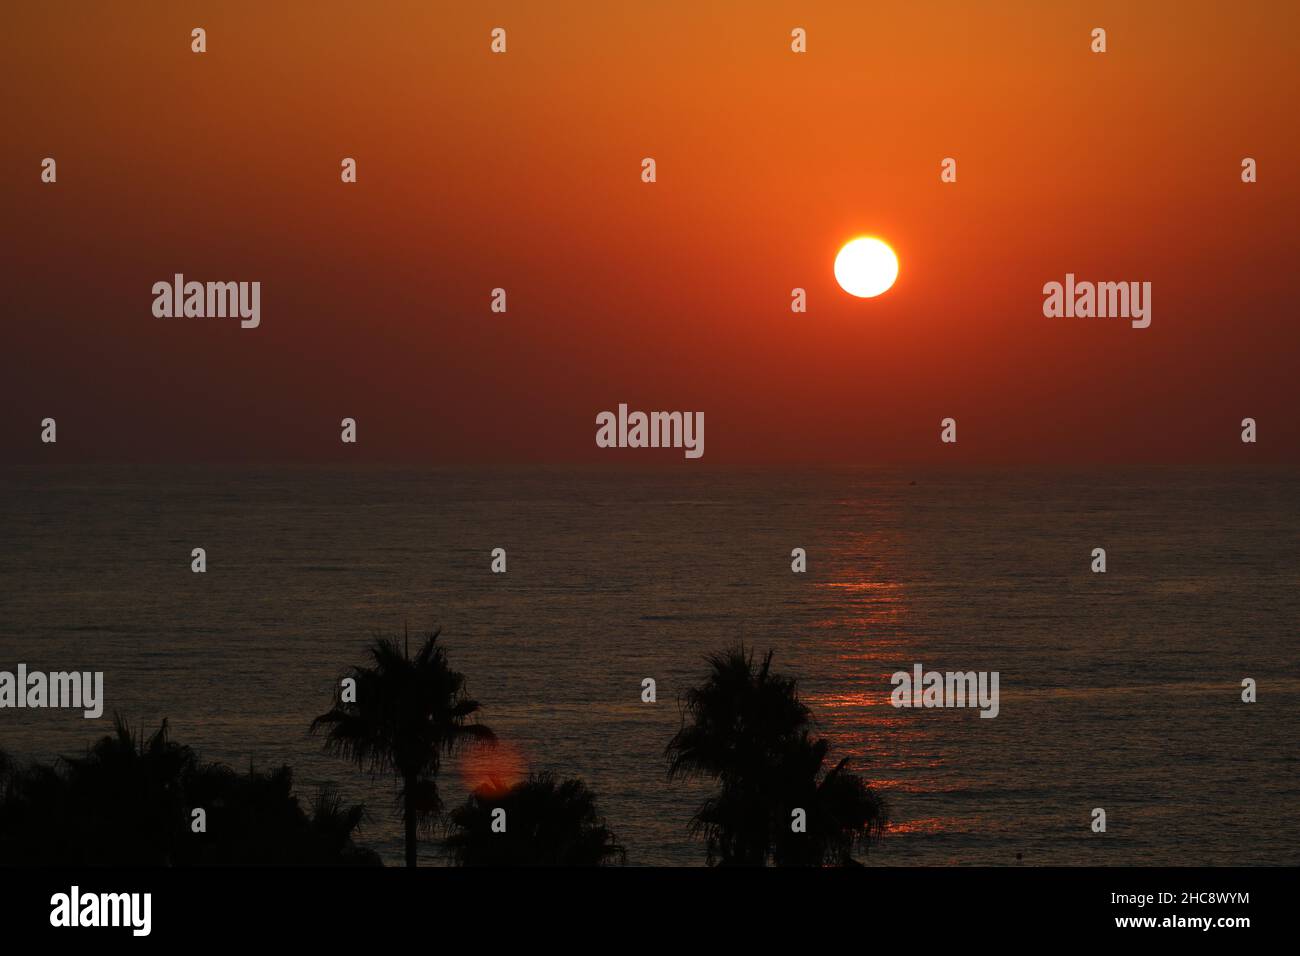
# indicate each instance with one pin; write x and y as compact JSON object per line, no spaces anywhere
{"x":1119,"y":690}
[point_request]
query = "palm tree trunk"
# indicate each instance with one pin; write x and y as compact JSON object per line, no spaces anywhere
{"x":412,"y":852}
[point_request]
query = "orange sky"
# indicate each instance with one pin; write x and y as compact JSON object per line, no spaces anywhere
{"x":522,"y":171}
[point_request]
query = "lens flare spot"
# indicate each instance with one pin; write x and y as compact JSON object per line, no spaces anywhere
{"x":492,"y":770}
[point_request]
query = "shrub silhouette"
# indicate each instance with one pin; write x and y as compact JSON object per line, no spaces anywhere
{"x":549,"y":822}
{"x":128,"y":801}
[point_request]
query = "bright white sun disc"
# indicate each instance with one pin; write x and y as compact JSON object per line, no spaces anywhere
{"x":866,"y":267}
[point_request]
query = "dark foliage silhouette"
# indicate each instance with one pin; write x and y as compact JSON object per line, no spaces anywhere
{"x":842,"y":810}
{"x":128,"y":801}
{"x":746,"y":728}
{"x":408,"y":713}
{"x":548,"y":822}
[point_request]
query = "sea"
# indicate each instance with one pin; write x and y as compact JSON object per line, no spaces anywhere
{"x":1120,"y":690}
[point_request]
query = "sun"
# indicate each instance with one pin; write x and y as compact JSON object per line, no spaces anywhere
{"x":866,"y":267}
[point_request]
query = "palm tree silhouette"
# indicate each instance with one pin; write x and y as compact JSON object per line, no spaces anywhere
{"x":549,"y":822}
{"x":746,"y":728}
{"x":408,"y":713}
{"x":842,"y":810}
{"x":739,"y":721}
